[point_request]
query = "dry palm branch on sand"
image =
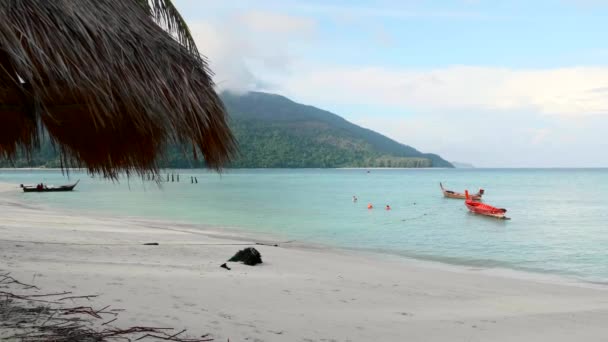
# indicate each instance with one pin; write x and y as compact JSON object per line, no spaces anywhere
{"x":28,"y":315}
{"x":111,"y":81}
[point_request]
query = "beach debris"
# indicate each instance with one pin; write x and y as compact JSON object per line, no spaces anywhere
{"x":268,"y":244}
{"x":249,"y":256}
{"x":151,"y":244}
{"x":38,"y":317}
{"x":225,"y":266}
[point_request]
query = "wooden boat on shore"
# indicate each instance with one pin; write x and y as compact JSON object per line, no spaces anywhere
{"x":484,"y":209}
{"x":459,"y":195}
{"x":44,"y":188}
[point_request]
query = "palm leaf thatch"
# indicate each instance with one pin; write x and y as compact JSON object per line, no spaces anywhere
{"x":112,"y":82}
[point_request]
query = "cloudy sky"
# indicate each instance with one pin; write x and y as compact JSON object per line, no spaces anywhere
{"x":495,"y":83}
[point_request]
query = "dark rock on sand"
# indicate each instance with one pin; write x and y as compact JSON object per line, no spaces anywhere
{"x":225,"y":266}
{"x":249,"y":256}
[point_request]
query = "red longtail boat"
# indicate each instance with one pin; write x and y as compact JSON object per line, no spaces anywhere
{"x":484,"y":209}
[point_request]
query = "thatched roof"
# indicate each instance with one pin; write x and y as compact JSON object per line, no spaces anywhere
{"x":112,"y":82}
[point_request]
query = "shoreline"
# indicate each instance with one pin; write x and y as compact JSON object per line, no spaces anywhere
{"x":259,"y":238}
{"x":341,"y":168}
{"x":299,"y":293}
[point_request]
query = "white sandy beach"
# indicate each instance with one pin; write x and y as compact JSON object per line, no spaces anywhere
{"x":298,"y":294}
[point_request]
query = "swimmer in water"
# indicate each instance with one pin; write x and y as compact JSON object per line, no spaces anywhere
{"x":370,"y":206}
{"x":388,"y":207}
{"x":354,"y":198}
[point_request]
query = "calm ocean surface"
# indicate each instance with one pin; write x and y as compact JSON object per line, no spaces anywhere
{"x":559,"y":216}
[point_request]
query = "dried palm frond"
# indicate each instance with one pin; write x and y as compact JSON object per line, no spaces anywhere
{"x":112,"y":82}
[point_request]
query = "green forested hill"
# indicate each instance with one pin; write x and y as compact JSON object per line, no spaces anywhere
{"x":273,"y":131}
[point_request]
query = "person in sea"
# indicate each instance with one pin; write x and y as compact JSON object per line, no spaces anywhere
{"x":354,"y":198}
{"x":370,"y":206}
{"x":388,"y":207}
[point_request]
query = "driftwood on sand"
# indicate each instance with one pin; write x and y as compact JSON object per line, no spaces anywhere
{"x":28,"y":315}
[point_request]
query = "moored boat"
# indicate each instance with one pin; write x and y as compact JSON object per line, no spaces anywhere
{"x":459,"y":195}
{"x":484,"y":209}
{"x":43,"y":188}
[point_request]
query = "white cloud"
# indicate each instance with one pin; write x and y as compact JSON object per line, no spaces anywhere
{"x":488,"y":116}
{"x":249,"y":40}
{"x":499,"y":139}
{"x":491,"y":116}
{"x":276,"y":23}
{"x":380,"y":9}
{"x":539,"y":135}
{"x":569,"y":92}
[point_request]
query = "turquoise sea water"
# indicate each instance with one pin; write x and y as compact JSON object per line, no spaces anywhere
{"x":559,"y":216}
